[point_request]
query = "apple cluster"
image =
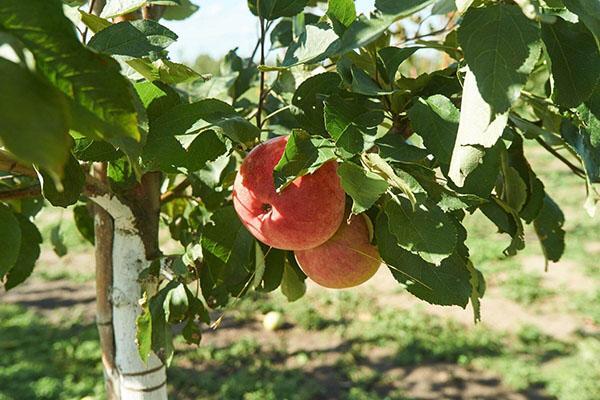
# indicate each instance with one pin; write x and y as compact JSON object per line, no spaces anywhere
{"x":308,"y":217}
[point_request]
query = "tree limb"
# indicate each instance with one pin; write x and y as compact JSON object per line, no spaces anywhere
{"x":176,"y":191}
{"x":93,"y":186}
{"x":10,"y":165}
{"x":578,"y":171}
{"x":21,"y":193}
{"x":261,"y":98}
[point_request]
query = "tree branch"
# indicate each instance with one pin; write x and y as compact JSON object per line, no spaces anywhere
{"x":176,"y":191}
{"x":578,"y":171}
{"x":93,"y":186}
{"x":21,"y":193}
{"x":103,"y":233}
{"x":261,"y":98}
{"x":10,"y":165}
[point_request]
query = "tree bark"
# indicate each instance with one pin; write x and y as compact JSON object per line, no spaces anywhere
{"x":134,"y":243}
{"x":103,"y":234}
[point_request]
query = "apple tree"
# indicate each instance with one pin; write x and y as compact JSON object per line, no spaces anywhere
{"x":95,"y":116}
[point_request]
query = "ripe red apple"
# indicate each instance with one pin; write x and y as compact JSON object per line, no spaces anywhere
{"x":303,"y":215}
{"x":346,"y":260}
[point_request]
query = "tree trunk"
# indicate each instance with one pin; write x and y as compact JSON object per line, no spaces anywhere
{"x":134,"y":242}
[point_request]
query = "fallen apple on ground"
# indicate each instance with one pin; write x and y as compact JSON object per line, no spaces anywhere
{"x":302,"y":216}
{"x":273,"y":320}
{"x":346,"y":260}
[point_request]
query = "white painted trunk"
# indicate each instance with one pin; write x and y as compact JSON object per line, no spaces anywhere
{"x":136,"y":380}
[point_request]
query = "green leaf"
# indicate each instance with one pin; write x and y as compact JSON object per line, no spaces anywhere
{"x":379,"y":166}
{"x":362,"y":83}
{"x":209,"y":113}
{"x":311,"y":46}
{"x":176,"y":304}
{"x":507,"y":220}
{"x":292,"y":283}
{"x":157,"y":98}
{"x":260,"y":265}
{"x":84,"y":221}
{"x":184,"y":10}
{"x":535,"y":192}
{"x":364,"y":187}
{"x":274,"y":266}
{"x":94,"y":22}
{"x":93,"y":81}
{"x":446,"y":284}
{"x":114,"y":8}
{"x":196,"y":307}
{"x":585,"y":140}
{"x":588,"y":12}
{"x":191,"y":332}
{"x":352,"y":121}
{"x":479,"y":129}
{"x":33,"y":112}
{"x":163,"y":70}
{"x":57,"y":241}
{"x":229,"y":255}
{"x":186,"y":136}
{"x":435,"y":119}
{"x":120,"y":175}
{"x":67,"y":191}
{"x":390,"y":58}
{"x":133,"y":39}
{"x":143,"y":333}
{"x":548,"y":227}
{"x":273,"y":9}
{"x":478,"y":288}
{"x":364,"y":31}
{"x":86,"y":149}
{"x":395,"y":149}
{"x":29,"y":251}
{"x":303,"y":155}
{"x":501,"y":47}
{"x":425,"y":230}
{"x":575,"y":61}
{"x":159,"y":331}
{"x":10,"y":237}
{"x":513,"y":190}
{"x":342,"y":13}
{"x":309,"y":97}
{"x":281,"y":35}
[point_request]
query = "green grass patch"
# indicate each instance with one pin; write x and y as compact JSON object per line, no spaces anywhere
{"x":43,"y":361}
{"x":525,"y":288}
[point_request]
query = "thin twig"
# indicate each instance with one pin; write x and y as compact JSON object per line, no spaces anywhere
{"x":262,"y":73}
{"x":9,"y":165}
{"x":274,"y":113}
{"x":445,"y":28}
{"x":176,"y":191}
{"x":85,"y":32}
{"x":21,"y":193}
{"x":257,"y":46}
{"x":578,"y":171}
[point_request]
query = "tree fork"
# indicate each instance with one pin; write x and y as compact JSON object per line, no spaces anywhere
{"x":135,"y":216}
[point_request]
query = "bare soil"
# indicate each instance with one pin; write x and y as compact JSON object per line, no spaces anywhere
{"x":59,"y":298}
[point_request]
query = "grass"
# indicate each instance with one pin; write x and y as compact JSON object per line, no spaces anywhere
{"x":525,"y":288}
{"x":44,"y":361}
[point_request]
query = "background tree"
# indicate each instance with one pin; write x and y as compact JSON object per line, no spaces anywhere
{"x":94,"y":114}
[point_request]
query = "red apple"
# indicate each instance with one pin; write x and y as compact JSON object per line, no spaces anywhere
{"x":303,"y":215}
{"x":346,"y":260}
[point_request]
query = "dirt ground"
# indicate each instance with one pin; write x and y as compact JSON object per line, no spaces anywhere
{"x":56,"y":298}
